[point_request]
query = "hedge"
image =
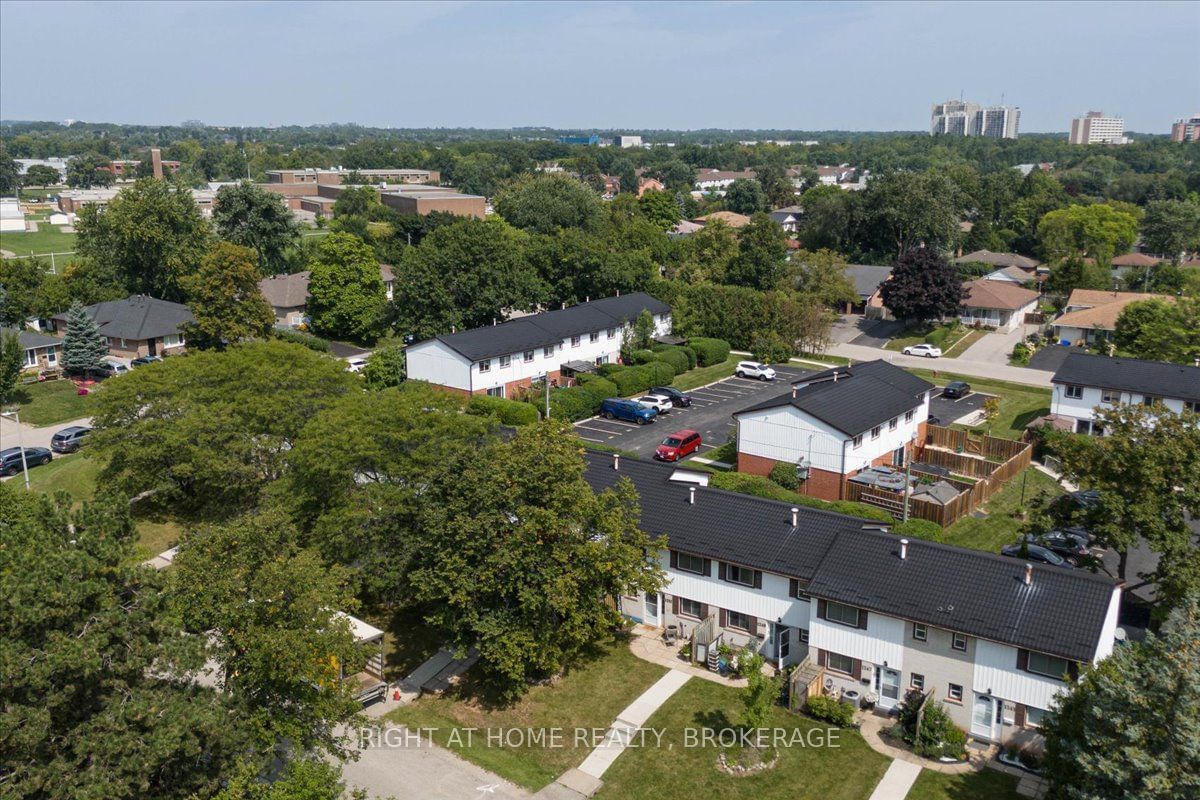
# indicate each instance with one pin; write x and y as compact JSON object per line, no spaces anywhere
{"x":709,"y":351}
{"x":919,"y":529}
{"x":676,"y":358}
{"x":508,"y":412}
{"x":301,"y":338}
{"x":577,"y":402}
{"x":763,"y":487}
{"x":643,"y":356}
{"x":660,"y":373}
{"x":827,"y":709}
{"x":688,"y":352}
{"x":605,"y":370}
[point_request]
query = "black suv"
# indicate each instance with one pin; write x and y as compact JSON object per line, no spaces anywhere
{"x":68,"y":439}
{"x":677,"y":398}
{"x":10,"y":459}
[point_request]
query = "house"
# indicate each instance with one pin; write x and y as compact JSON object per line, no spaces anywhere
{"x":835,"y":424}
{"x":136,"y":326}
{"x":1086,"y":382}
{"x":730,"y":218}
{"x":1025,"y":263}
{"x":1010,"y":275}
{"x":650,"y":185}
{"x":500,"y":359}
{"x":787,"y":218}
{"x":42,"y":352}
{"x":997,"y":304}
{"x":288,"y":294}
{"x":862,"y":609}
{"x":867,"y":279}
{"x":1091,"y":314}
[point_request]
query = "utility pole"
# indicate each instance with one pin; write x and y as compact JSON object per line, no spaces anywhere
{"x":907,"y":486}
{"x":20,"y":445}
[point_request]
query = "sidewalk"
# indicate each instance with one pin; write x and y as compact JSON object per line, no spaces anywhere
{"x":958,"y":366}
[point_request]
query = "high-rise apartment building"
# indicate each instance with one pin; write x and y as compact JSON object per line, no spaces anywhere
{"x":1186,"y":130}
{"x":964,"y":118}
{"x":1095,"y":128}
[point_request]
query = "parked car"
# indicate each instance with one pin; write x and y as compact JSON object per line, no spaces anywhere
{"x":660,"y":403}
{"x":356,"y":364}
{"x":68,"y":439}
{"x":956,"y":389}
{"x":678,"y":398}
{"x":1067,"y":542}
{"x":628,"y":410}
{"x":753,"y":369}
{"x":10,"y":459}
{"x":1036,"y":553}
{"x":678,"y":445}
{"x":923,"y":349}
{"x":141,"y":361}
{"x":107,"y":369}
{"x":1081,"y":499}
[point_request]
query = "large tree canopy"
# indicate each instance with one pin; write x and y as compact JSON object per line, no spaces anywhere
{"x":1097,"y":231}
{"x":543,"y":203}
{"x":258,"y":219}
{"x":225,"y":300}
{"x":345,"y":291}
{"x":923,"y":286}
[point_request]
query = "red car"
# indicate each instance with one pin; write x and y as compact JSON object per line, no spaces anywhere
{"x":677,"y":445}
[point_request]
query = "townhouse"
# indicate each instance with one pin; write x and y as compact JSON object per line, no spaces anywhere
{"x":865,"y":611}
{"x":1085,"y":383}
{"x":500,"y":359}
{"x":136,"y":326}
{"x":835,"y":424}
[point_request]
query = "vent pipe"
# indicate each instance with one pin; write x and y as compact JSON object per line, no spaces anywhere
{"x":795,"y":517}
{"x":793,"y":392}
{"x":1029,"y":574}
{"x":616,"y":460}
{"x":903,"y":549}
{"x":835,"y":374}
{"x":692,"y":495}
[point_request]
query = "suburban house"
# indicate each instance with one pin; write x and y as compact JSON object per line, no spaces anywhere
{"x":42,"y":352}
{"x":288,"y":294}
{"x":730,"y":218}
{"x":867,"y":279}
{"x":1010,"y":275}
{"x":1128,"y":261}
{"x":997,"y":304}
{"x":1025,"y":263}
{"x":1091,"y":314}
{"x":835,"y":424}
{"x":136,"y":326}
{"x":848,"y":606}
{"x":787,"y":218}
{"x":1086,"y":382}
{"x":499,"y":359}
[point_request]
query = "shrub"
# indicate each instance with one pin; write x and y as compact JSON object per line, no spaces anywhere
{"x":709,"y":351}
{"x":606,"y":370}
{"x":597,"y":389}
{"x":643,"y":356}
{"x":660,"y":373}
{"x":938,"y":736}
{"x":631,"y":380}
{"x":785,"y":475}
{"x":829,"y":710}
{"x":1021,"y":353}
{"x":507,"y":412}
{"x":919,"y":529}
{"x":676,"y":358}
{"x":770,"y":348}
{"x":762,"y":487}
{"x":298,"y":337}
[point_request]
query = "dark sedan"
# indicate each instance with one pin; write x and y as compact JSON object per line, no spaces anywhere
{"x":1035,"y":553}
{"x":10,"y":459}
{"x":1067,"y":542}
{"x":956,"y":389}
{"x":677,"y":398}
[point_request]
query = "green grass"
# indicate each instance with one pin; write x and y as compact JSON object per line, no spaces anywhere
{"x":726,"y":453}
{"x":959,"y":347}
{"x":589,"y":696}
{"x":702,"y":376}
{"x":671,"y":771}
{"x":1019,"y":404}
{"x":1002,"y":525}
{"x":987,"y":784}
{"x":46,"y":239}
{"x":916,"y":335}
{"x":51,"y":402}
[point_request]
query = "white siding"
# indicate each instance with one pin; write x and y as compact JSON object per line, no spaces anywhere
{"x":435,"y":362}
{"x":1108,"y":633}
{"x":768,"y":603}
{"x":1085,"y":407}
{"x":883,"y":640}
{"x":996,"y":672}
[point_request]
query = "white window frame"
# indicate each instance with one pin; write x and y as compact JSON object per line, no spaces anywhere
{"x":528,"y":356}
{"x":612,"y":333}
{"x":485,"y":365}
{"x":594,"y":336}
{"x":1041,"y":714}
{"x":1047,"y":673}
{"x":1110,"y":396}
{"x":729,"y":623}
{"x":31,"y":357}
{"x":955,"y":638}
{"x":729,"y":568}
{"x":920,"y":632}
{"x":505,"y":361}
{"x":829,"y":656}
{"x":916,"y":681}
{"x":1073,"y":391}
{"x":908,"y":415}
{"x":950,"y":693}
{"x":893,"y":423}
{"x":170,"y":340}
{"x":857,"y":441}
{"x":683,"y":610}
{"x":802,"y":635}
{"x":878,"y":429}
{"x":575,"y":340}
{"x":548,"y":352}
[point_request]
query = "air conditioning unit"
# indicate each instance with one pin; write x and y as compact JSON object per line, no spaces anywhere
{"x":802,"y":470}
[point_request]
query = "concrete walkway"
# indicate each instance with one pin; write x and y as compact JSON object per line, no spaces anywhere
{"x":896,"y":782}
{"x":647,"y":644}
{"x":959,"y":366}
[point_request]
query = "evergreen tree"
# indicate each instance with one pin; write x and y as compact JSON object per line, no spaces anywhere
{"x":83,"y":346}
{"x":923,"y":286}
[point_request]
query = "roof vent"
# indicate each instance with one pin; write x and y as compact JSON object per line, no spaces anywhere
{"x":616,"y":460}
{"x":1028,"y":574}
{"x":903,"y":549}
{"x":795,"y":517}
{"x":793,"y":392}
{"x":692,"y":495}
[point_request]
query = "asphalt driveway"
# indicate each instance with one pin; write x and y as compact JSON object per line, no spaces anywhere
{"x":950,"y":411}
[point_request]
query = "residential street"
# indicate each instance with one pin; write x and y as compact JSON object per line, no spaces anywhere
{"x":31,"y":436}
{"x":958,"y":366}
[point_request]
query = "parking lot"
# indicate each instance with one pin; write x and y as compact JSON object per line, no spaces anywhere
{"x":710,"y":414}
{"x":951,"y":411}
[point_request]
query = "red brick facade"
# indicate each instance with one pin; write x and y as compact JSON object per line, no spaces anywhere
{"x":821,"y":483}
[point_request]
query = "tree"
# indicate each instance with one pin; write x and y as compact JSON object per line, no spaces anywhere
{"x":89,"y":170}
{"x":1172,"y":227}
{"x":12,"y":361}
{"x":707,"y":253}
{"x":20,"y":283}
{"x":1098,"y":231}
{"x":762,"y":250}
{"x":1075,"y":273}
{"x":660,"y":208}
{"x":385,"y":367}
{"x":831,"y":219}
{"x":151,"y":235}
{"x":547,"y":201}
{"x":760,"y":693}
{"x":642,"y":335}
{"x":1151,"y":329}
{"x":907,"y":210}
{"x":209,"y":431}
{"x":745,"y":196}
{"x":676,"y":175}
{"x":923,"y":286}
{"x":225,"y":300}
{"x":41,"y":175}
{"x":10,"y":174}
{"x":823,"y":275}
{"x":520,"y":558}
{"x":627,"y":179}
{"x":1146,"y":469}
{"x":1128,"y":727}
{"x":305,"y":779}
{"x":346,"y":294}
{"x":258,"y":219}
{"x":360,"y":201}
{"x":83,"y":346}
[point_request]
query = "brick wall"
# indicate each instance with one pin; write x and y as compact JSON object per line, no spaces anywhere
{"x":821,"y":483}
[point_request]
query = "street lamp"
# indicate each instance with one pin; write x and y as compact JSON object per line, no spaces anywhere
{"x":24,"y":464}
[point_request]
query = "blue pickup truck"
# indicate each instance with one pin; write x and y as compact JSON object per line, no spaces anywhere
{"x":628,"y":410}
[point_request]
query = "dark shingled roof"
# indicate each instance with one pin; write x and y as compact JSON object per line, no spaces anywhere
{"x":31,"y":340}
{"x":137,"y":317}
{"x":980,"y":594}
{"x":1131,"y":375}
{"x":863,"y":396}
{"x":867,"y":278}
{"x":551,"y":327}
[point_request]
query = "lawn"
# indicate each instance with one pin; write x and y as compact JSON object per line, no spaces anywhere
{"x":589,"y":696}
{"x":46,"y":239}
{"x":702,"y":376}
{"x":51,"y":402}
{"x":848,"y":771}
{"x":917,"y":335}
{"x":1001,"y":526}
{"x":1019,"y":404}
{"x":959,"y":347}
{"x":987,"y":784}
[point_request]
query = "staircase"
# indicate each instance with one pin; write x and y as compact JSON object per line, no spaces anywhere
{"x":714,"y":658}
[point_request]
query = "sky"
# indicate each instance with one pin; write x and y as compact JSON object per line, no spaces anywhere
{"x":613,"y":65}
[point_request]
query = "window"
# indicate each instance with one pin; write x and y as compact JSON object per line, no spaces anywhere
{"x":528,"y":356}
{"x":875,"y":431}
{"x":689,"y":563}
{"x":736,"y":619}
{"x":908,"y":416}
{"x":548,"y":352}
{"x":593,"y":337}
{"x":736,"y":574}
{"x":1035,"y":717}
{"x":1150,"y":401}
{"x":496,"y":391}
{"x":917,"y":681}
{"x":1110,"y":396}
{"x":858,"y":440}
{"x":574,"y":341}
{"x":51,"y":356}
{"x":485,"y":365}
{"x":612,"y":333}
{"x":954,"y":693}
{"x":1192,"y":405}
{"x":31,"y":358}
{"x":1050,"y":666}
{"x":690,"y":608}
{"x":839,"y":663}
{"x":892,"y":425}
{"x":846,"y":615}
{"x":802,"y":635}
{"x":920,"y":632}
{"x":505,"y":361}
{"x":958,"y":641}
{"x":1073,"y":392}
{"x":174,"y":340}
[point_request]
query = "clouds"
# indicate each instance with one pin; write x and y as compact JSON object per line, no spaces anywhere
{"x":867,"y":66}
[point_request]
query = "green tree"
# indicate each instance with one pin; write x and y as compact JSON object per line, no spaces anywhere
{"x":10,"y":174}
{"x":83,"y":346}
{"x":12,"y":361}
{"x":676,"y":175}
{"x":760,"y":693}
{"x":258,"y":219}
{"x":346,"y":294}
{"x":923,"y":286}
{"x":1098,"y":231}
{"x":1075,"y":273}
{"x":41,"y":175}
{"x":1129,"y":727}
{"x":627,"y":178}
{"x":822,"y":274}
{"x":905,"y":210}
{"x":831,"y":219}
{"x":745,"y":196}
{"x":361,"y":201}
{"x":209,"y":431}
{"x":307,"y":779}
{"x":660,"y":208}
{"x":151,"y":235}
{"x":1172,"y":227}
{"x":20,"y":283}
{"x":762,"y":250}
{"x":707,"y":253}
{"x":643,"y":331}
{"x":1160,"y":330}
{"x":89,"y":170}
{"x":225,"y":300}
{"x":385,"y":367}
{"x":547,"y":201}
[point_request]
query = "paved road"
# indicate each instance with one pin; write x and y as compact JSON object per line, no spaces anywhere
{"x":958,"y":366}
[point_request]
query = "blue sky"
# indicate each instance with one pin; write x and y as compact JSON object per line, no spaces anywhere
{"x":808,"y":66}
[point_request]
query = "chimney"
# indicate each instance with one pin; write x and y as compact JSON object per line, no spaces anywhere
{"x":903,"y":549}
{"x":616,"y":460}
{"x":156,"y":163}
{"x":692,"y":495}
{"x":1028,"y":574}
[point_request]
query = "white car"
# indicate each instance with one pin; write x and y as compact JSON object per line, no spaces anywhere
{"x":355,"y":364}
{"x":927,"y":350}
{"x":753,"y":369}
{"x":660,"y":403}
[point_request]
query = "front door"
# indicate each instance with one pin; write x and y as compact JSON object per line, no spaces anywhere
{"x":983,"y":717}
{"x":651,"y":608}
{"x":150,"y":347}
{"x":783,"y":644}
{"x":888,"y":687}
